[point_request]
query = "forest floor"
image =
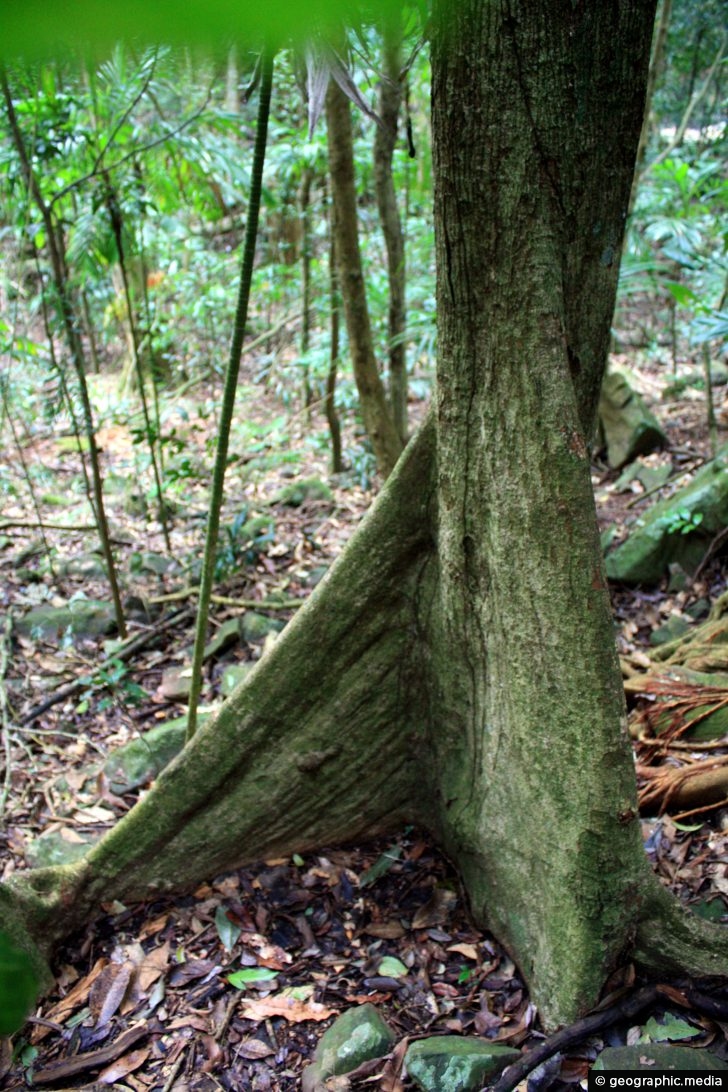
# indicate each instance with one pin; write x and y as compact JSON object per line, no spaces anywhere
{"x":143,"y":999}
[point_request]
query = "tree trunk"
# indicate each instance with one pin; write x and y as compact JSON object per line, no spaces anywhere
{"x":377,"y":419}
{"x":385,"y":138}
{"x":456,"y":668}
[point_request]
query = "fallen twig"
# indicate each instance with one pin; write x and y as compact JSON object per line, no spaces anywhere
{"x":94,"y":1059}
{"x":576,"y":1033}
{"x":123,"y":653}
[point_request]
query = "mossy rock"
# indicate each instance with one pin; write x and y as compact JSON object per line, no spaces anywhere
{"x":256,"y":627}
{"x":628,"y":426}
{"x":355,"y":1037}
{"x":656,"y":1057}
{"x":650,"y":477}
{"x":675,"y":530}
{"x":695,"y":379}
{"x":176,"y":683}
{"x":308,"y":489}
{"x":232,"y":676}
{"x":80,"y":618}
{"x":148,"y":562}
{"x":53,"y":849}
{"x":675,"y":627}
{"x":449,"y":1063}
{"x":226,"y":636}
{"x":83,"y":566}
{"x":139,"y":762}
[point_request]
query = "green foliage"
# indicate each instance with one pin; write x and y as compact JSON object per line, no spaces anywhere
{"x":43,"y":28}
{"x":677,"y":247}
{"x":669,"y":1029}
{"x":242,"y":542}
{"x":684,"y":521}
{"x":242,"y":979}
{"x":18,"y":986}
{"x":227,"y":930}
{"x":113,"y":678}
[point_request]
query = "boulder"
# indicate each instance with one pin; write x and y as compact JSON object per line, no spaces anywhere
{"x":449,"y":1063}
{"x":628,"y":426}
{"x":657,"y":1057}
{"x":357,"y":1036}
{"x":80,"y":617}
{"x":678,"y":529}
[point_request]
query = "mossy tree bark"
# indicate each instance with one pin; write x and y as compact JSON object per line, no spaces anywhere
{"x":457,"y":667}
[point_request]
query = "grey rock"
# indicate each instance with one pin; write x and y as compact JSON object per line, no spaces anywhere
{"x":355,"y":1037}
{"x":81,"y":618}
{"x":449,"y":1063}
{"x":656,"y":1057}
{"x":667,"y":532}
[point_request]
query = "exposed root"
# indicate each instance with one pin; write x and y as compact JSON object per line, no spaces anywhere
{"x":672,"y":941}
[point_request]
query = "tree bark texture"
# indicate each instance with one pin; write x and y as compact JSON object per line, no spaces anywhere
{"x":378,"y":420}
{"x":456,"y":668}
{"x":385,"y":138}
{"x":534,"y":783}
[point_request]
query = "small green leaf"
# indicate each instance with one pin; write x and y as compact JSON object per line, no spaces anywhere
{"x":391,"y":967}
{"x":381,"y":866}
{"x":298,"y":860}
{"x":241,"y":979}
{"x":670,"y":1030}
{"x":227,"y":930}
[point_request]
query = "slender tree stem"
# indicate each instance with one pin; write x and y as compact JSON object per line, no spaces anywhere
{"x":231,"y":381}
{"x":71,"y":328}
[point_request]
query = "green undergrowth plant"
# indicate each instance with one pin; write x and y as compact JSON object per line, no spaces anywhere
{"x":243,"y":541}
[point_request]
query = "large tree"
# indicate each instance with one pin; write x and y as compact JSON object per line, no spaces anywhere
{"x":457,"y":666}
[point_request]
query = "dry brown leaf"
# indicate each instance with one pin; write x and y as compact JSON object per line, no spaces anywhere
{"x":436,"y":910}
{"x":95,"y":814}
{"x":154,"y":926}
{"x":108,"y":991}
{"x":363,"y":998}
{"x":391,"y":1078}
{"x":68,"y":834}
{"x":290,"y":1008}
{"x":253,"y":1049}
{"x":386,"y":930}
{"x":154,"y":965}
{"x":124,"y":1066}
{"x":467,"y":950}
{"x":74,"y":999}
{"x":214,"y":1053}
{"x":189,"y":1021}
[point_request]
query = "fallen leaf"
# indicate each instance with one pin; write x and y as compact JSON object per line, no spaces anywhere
{"x":124,"y":1066}
{"x":283,"y":1004}
{"x":74,"y":999}
{"x":386,"y":930}
{"x":391,"y":1078}
{"x":108,"y":991}
{"x":436,"y":910}
{"x":467,"y":950}
{"x":252,"y":1049}
{"x":153,"y":965}
{"x":95,"y":814}
{"x":154,"y":926}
